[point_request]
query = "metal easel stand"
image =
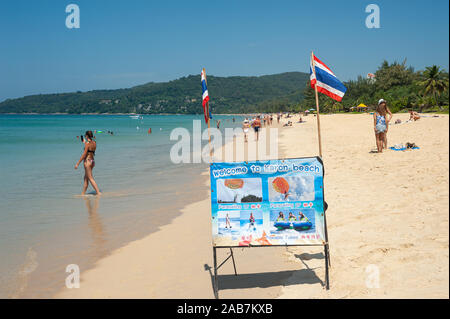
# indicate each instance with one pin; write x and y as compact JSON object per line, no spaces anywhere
{"x":231,"y":255}
{"x":216,"y":283}
{"x":327,"y":263}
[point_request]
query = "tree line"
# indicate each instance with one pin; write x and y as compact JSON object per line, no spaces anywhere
{"x":401,"y":86}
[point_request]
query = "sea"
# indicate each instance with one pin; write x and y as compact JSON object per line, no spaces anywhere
{"x":46,"y":226}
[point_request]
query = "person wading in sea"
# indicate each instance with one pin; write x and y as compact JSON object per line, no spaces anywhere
{"x":88,"y":157}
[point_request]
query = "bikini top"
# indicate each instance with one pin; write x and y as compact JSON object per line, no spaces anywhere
{"x":90,"y":151}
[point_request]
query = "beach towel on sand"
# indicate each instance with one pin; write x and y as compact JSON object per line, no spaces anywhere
{"x":403,"y":148}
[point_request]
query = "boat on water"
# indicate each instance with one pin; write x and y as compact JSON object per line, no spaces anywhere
{"x":136,"y":117}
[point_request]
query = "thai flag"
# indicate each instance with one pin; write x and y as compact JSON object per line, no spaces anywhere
{"x":205,"y":97}
{"x":325,"y":80}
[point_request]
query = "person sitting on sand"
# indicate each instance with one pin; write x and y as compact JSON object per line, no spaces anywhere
{"x":380,"y":124}
{"x":413,"y":115}
{"x":89,"y":163}
{"x":280,"y":217}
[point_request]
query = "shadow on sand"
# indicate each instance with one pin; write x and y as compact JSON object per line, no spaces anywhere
{"x":306,"y":256}
{"x":265,"y":279}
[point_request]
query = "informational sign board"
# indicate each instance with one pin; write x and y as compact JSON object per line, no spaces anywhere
{"x":261,"y":203}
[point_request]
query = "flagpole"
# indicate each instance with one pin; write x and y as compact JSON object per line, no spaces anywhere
{"x":317,"y":104}
{"x":326,"y":244}
{"x":209,"y":126}
{"x":209,"y":135}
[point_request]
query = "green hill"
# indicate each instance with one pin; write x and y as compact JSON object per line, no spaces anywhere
{"x":236,"y":94}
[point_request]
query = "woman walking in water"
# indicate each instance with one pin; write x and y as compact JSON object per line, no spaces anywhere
{"x":88,"y":156}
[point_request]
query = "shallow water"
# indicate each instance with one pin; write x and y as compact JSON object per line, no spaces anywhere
{"x":45,"y":224}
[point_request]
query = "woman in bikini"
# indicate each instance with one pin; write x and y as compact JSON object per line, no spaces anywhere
{"x":88,"y":157}
{"x":381,"y":125}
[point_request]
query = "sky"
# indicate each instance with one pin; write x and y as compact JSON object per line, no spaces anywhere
{"x":124,"y":43}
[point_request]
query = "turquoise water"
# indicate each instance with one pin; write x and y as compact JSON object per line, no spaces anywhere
{"x":45,"y":225}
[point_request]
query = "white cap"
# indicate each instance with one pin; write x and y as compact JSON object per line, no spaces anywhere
{"x":381,"y":101}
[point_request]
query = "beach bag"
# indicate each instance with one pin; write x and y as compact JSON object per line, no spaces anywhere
{"x":410,"y":145}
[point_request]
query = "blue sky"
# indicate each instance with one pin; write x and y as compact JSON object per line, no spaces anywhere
{"x":125,"y":43}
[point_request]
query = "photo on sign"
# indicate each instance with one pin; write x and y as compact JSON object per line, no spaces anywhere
{"x":294,"y":221}
{"x":239,"y":190}
{"x":229,"y":222}
{"x":251,"y":222}
{"x":291,"y":188}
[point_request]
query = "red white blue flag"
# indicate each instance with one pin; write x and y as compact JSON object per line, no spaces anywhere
{"x":325,"y":80}
{"x":205,"y":97}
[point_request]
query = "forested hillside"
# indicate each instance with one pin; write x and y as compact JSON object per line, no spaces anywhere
{"x":228,"y":95}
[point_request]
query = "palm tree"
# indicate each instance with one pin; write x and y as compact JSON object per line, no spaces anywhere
{"x":434,"y":82}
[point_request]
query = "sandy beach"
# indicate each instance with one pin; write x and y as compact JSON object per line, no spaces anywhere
{"x":387,"y":212}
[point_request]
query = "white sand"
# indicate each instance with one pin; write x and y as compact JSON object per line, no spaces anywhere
{"x":389,"y":210}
